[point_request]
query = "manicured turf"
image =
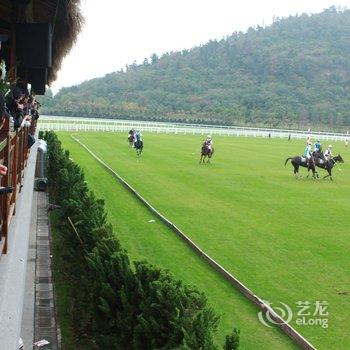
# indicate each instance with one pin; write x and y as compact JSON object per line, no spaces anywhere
{"x":287,"y":240}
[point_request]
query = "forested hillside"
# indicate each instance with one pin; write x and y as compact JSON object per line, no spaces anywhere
{"x":293,"y":73}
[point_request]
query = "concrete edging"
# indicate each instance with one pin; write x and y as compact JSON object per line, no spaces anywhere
{"x":285,"y":327}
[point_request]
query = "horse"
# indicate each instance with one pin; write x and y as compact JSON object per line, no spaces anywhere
{"x":299,"y":161}
{"x":329,"y":164}
{"x":138,"y":145}
{"x":206,"y":152}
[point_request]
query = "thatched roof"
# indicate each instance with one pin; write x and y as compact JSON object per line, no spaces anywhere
{"x":66,"y":28}
{"x":64,"y":15}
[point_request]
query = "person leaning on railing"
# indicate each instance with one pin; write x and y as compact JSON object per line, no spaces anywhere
{"x":33,"y":111}
{"x":14,"y":103}
{"x":17,"y":101}
{"x":3,"y":115}
{"x":3,"y":168}
{"x":26,"y":108}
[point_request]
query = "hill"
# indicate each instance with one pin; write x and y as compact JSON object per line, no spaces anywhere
{"x":293,"y":73}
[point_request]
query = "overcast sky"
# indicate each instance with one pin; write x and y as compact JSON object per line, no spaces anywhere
{"x":117,"y":32}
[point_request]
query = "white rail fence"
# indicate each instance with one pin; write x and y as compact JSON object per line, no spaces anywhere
{"x":109,"y":125}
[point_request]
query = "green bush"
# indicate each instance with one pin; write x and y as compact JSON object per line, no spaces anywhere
{"x":232,"y":340}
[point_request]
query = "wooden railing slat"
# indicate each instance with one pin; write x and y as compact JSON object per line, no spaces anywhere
{"x":3,"y":144}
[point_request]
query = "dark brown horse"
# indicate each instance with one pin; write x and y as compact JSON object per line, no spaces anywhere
{"x":298,"y":161}
{"x":138,"y":145}
{"x":329,"y":164}
{"x":206,"y":151}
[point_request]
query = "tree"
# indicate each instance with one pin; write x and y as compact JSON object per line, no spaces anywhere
{"x":298,"y":64}
{"x":232,"y":340}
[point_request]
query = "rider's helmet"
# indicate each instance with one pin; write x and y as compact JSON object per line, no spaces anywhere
{"x":309,"y":143}
{"x":208,"y":137}
{"x":330,"y":146}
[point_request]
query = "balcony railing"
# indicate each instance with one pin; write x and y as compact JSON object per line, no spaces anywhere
{"x":14,"y":154}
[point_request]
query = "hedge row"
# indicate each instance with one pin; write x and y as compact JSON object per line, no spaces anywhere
{"x":115,"y":304}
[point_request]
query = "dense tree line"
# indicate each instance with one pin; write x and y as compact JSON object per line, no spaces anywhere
{"x":113,"y":303}
{"x":293,"y":73}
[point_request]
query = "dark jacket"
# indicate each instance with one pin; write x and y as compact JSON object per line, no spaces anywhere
{"x":14,"y":111}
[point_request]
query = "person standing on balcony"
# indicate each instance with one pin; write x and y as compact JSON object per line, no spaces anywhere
{"x":3,"y":168}
{"x":32,"y":110}
{"x":24,"y":111}
{"x":15,"y":104}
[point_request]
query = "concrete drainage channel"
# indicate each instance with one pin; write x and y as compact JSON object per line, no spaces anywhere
{"x":285,"y":327}
{"x":45,"y":313}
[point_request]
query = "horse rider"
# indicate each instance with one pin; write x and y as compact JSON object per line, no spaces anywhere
{"x":308,"y":135}
{"x":317,"y":146}
{"x":328,"y":153}
{"x":308,"y":153}
{"x":131,"y":137}
{"x":317,"y":153}
{"x":209,"y":143}
{"x":137,"y":136}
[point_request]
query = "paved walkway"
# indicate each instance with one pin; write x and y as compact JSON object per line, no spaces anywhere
{"x":27,"y":329}
{"x":13,"y":265}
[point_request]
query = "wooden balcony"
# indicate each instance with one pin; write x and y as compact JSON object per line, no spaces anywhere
{"x":14,"y":154}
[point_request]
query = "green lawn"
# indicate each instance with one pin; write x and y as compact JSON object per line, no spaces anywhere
{"x":287,"y":240}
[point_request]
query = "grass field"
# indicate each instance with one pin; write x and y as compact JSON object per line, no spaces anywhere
{"x":286,"y":239}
